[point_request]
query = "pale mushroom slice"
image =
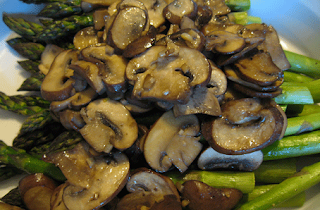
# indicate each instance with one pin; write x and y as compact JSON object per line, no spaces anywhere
{"x":155,"y":8}
{"x":129,"y":23}
{"x":85,"y":37}
{"x":174,"y":11}
{"x":173,"y":141}
{"x":246,"y":125}
{"x":88,"y":174}
{"x":57,"y":86}
{"x":147,"y":189}
{"x":210,"y":159}
{"x":47,"y":57}
{"x":218,"y":7}
{"x":109,"y":124}
{"x":224,"y":42}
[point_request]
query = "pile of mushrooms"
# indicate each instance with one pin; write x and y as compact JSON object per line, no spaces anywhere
{"x":180,"y":58}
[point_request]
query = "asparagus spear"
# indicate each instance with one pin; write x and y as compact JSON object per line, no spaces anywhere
{"x":303,"y":64}
{"x":275,"y":171}
{"x":296,"y":201}
{"x":66,"y":26}
{"x":30,"y":66}
{"x":243,"y":18}
{"x":46,"y":21}
{"x":36,"y":121}
{"x":7,"y":171}
{"x":290,"y":76}
{"x":32,"y":83}
{"x":61,"y":9}
{"x":301,"y":181}
{"x":22,"y":160}
{"x":243,"y":181}
{"x":29,"y":50}
{"x":297,"y":125}
{"x":13,"y":197}
{"x":22,"y":27}
{"x":293,"y":146}
{"x":13,"y":104}
{"x":238,"y":5}
{"x":294,"y":94}
{"x":313,"y":87}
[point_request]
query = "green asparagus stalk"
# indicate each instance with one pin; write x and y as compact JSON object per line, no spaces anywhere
{"x":243,"y":18}
{"x":301,"y":181}
{"x":32,"y":83}
{"x":309,"y":109}
{"x":46,"y":21}
{"x":65,"y":27}
{"x":303,"y":64}
{"x":22,"y":27}
{"x":275,"y":171}
{"x":290,"y":76}
{"x":297,"y":125}
{"x":61,"y":9}
{"x":238,"y":5}
{"x":36,"y":121}
{"x":29,"y":50}
{"x":313,"y":87}
{"x":30,"y":66}
{"x":18,"y":106}
{"x":243,"y":181}
{"x":294,"y":202}
{"x":23,"y":161}
{"x":293,"y":146}
{"x":30,"y":100}
{"x":294,"y":94}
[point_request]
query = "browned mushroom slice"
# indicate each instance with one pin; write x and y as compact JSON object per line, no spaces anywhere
{"x":254,"y":93}
{"x":56,"y":86}
{"x":224,"y":42}
{"x":199,"y":195}
{"x":95,"y":4}
{"x":111,"y":69}
{"x":90,"y":72}
{"x":212,"y":160}
{"x":56,"y":201}
{"x":174,"y":11}
{"x":204,"y":15}
{"x":233,"y":76}
{"x":174,"y":141}
{"x":71,"y":120}
{"x":109,"y":124}
{"x":155,"y":8}
{"x":253,"y":125}
{"x":218,"y":7}
{"x":147,"y":189}
{"x":85,"y":37}
{"x":130,"y":22}
{"x":141,"y":44}
{"x":191,"y":38}
{"x":273,"y":47}
{"x":258,"y":69}
{"x":99,"y":16}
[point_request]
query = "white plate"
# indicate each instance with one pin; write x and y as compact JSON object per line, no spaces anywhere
{"x":297,"y":23}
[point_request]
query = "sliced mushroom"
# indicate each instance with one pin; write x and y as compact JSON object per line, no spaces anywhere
{"x":56,"y":86}
{"x":129,"y":23}
{"x":112,"y":68}
{"x":109,"y":124}
{"x":204,"y":15}
{"x":71,"y":120}
{"x":184,"y":67}
{"x":147,"y":189}
{"x":91,"y":73}
{"x":47,"y":57}
{"x":218,"y":7}
{"x":88,"y":173}
{"x":99,"y":16}
{"x":56,"y":201}
{"x":254,"y":93}
{"x":174,"y":11}
{"x":258,"y":69}
{"x":211,"y":160}
{"x":155,"y":8}
{"x":246,"y":125}
{"x":224,"y":42}
{"x":173,"y":141}
{"x":199,"y":195}
{"x":85,"y":37}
